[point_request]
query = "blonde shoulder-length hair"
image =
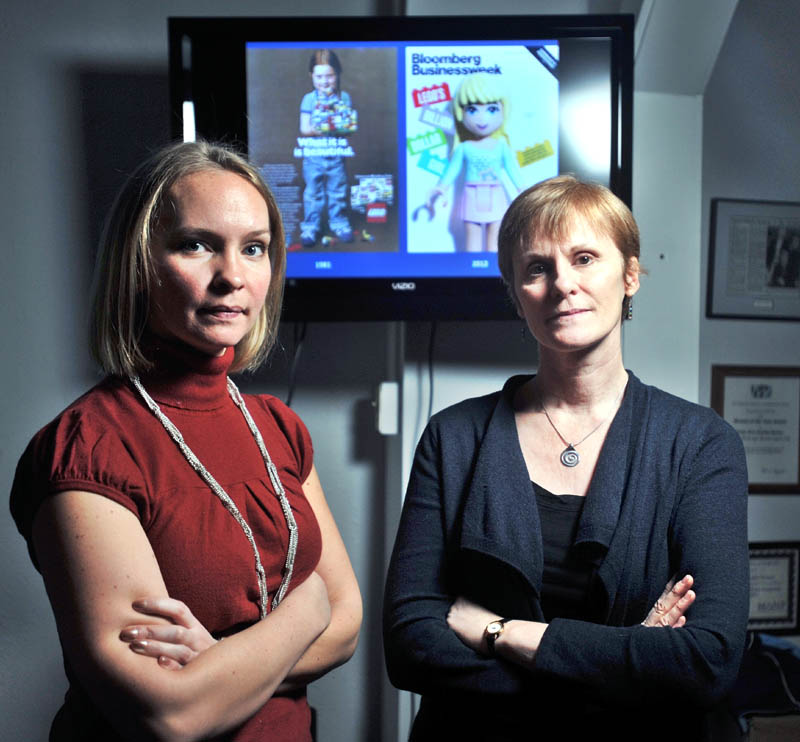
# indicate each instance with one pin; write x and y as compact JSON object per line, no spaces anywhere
{"x":124,"y":270}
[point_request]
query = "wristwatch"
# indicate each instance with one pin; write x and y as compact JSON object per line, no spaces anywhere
{"x":493,"y":630}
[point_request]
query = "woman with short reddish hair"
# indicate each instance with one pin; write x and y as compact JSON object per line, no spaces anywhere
{"x":526,"y":593}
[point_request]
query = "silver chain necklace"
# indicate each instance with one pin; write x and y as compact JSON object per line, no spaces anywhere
{"x":225,"y":498}
{"x":569,"y":456}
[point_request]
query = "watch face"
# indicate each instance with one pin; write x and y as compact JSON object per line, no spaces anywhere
{"x":495,"y":627}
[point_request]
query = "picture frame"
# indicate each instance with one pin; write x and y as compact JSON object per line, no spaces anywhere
{"x":763,"y":404}
{"x":774,"y":586}
{"x":754,"y":260}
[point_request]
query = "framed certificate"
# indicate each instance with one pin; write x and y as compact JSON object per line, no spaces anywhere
{"x":763,"y":404}
{"x":754,"y":260}
{"x":774,"y":587}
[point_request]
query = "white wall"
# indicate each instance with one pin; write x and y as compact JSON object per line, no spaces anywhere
{"x":661,"y":343}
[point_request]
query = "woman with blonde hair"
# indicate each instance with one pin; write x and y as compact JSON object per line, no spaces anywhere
{"x":526,"y":593}
{"x":165,"y":510}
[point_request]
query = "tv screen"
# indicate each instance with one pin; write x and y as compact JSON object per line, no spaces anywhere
{"x":394,"y":145}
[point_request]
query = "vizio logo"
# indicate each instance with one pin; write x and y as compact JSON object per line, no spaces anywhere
{"x":403,"y":286}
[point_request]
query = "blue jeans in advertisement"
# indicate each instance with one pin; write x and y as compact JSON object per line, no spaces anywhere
{"x":325,"y":180}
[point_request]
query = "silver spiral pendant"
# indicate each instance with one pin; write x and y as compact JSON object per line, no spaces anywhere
{"x":569,"y":457}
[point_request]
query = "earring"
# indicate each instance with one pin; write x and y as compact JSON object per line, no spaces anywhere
{"x":629,"y":313}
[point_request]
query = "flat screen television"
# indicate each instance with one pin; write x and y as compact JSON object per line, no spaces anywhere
{"x":394,"y":144}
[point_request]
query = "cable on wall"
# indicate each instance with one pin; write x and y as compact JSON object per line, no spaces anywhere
{"x":431,"y":342}
{"x":299,"y":339}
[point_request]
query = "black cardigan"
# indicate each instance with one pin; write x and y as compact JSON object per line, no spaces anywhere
{"x":669,"y":496}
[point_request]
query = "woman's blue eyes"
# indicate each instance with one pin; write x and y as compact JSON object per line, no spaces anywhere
{"x":255,"y":250}
{"x":192,"y":247}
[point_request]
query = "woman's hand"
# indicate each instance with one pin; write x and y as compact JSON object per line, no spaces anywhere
{"x":469,"y":620}
{"x":670,"y":608}
{"x":178,"y":644}
{"x":172,"y":645}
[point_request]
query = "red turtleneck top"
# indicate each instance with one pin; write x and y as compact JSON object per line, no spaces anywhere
{"x":108,"y":442}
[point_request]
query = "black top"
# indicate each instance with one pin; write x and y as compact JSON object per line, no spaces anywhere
{"x":566,"y":576}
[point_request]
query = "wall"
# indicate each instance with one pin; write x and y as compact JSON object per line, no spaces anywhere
{"x":751,"y":150}
{"x":661,"y":343}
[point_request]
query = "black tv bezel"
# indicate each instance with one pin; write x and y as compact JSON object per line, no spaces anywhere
{"x":216,"y":84}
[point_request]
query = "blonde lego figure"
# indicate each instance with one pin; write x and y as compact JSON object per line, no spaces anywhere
{"x":481,"y":146}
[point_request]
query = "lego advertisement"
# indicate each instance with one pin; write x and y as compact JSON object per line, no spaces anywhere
{"x":322,"y":128}
{"x":481,"y":126}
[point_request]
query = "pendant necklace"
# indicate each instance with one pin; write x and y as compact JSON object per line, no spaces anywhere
{"x":569,"y":456}
{"x":225,"y":498}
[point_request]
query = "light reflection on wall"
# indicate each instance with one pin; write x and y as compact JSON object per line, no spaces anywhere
{"x":586,"y":127}
{"x":189,"y":130}
{"x":585,"y":109}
